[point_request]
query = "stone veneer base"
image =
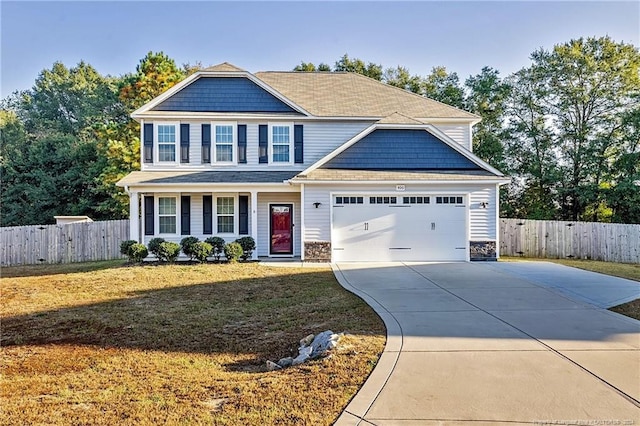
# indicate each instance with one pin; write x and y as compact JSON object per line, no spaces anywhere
{"x":482,"y":250}
{"x":317,"y":251}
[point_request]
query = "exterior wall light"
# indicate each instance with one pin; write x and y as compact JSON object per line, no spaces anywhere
{"x":317,"y":204}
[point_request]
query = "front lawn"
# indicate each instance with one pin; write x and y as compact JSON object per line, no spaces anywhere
{"x":177,"y":344}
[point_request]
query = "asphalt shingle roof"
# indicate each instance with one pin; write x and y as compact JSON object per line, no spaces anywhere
{"x":162,"y":178}
{"x":391,"y":175}
{"x":343,"y":94}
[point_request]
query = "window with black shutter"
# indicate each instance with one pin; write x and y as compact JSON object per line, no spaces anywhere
{"x":185,"y":215}
{"x":298,"y":143}
{"x":184,"y":143}
{"x":207,"y":214}
{"x":148,"y":215}
{"x":263,"y":142}
{"x":206,"y":143}
{"x":243,"y":215}
{"x":242,"y":143}
{"x":148,"y":143}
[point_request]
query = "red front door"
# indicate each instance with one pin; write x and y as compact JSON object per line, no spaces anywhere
{"x":281,"y":229}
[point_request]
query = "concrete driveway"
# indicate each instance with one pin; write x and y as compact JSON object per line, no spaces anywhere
{"x":497,"y":343}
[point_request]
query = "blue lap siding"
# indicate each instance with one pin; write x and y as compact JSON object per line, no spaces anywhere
{"x":224,"y":94}
{"x":386,"y":149}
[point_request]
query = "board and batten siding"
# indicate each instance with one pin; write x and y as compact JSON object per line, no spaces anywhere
{"x":264,"y":200}
{"x":460,"y":133}
{"x":320,"y":138}
{"x":318,"y":220}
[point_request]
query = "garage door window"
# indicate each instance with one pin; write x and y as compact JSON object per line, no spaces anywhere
{"x":415,"y":200}
{"x":349,"y":200}
{"x":383,"y":200}
{"x":448,"y":200}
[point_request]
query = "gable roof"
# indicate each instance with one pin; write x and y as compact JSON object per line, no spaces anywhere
{"x":397,"y":118}
{"x":345,"y":94}
{"x":225,"y":67}
{"x":433,"y":131}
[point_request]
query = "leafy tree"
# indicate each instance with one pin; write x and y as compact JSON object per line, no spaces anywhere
{"x":155,"y":73}
{"x":583,"y":90}
{"x":119,"y":140}
{"x":443,"y":86}
{"x":310,"y":67}
{"x":68,"y":100}
{"x":487,"y":97}
{"x":400,"y":77}
{"x":358,"y":66}
{"x":530,"y":148}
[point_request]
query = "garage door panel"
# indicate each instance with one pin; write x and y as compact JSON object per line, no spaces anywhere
{"x":397,"y":232}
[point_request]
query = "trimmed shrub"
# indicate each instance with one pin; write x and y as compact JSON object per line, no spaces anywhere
{"x":248,"y":245}
{"x":125,"y":248}
{"x":187,"y":246}
{"x":137,"y":252}
{"x":232,"y":252}
{"x":154,"y":246}
{"x":201,"y":251}
{"x":168,"y":251}
{"x":217,"y":245}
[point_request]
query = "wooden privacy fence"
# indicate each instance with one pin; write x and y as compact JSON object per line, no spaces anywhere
{"x":74,"y":242}
{"x":610,"y":242}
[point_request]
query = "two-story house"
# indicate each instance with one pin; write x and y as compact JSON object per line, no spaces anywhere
{"x":321,"y":166}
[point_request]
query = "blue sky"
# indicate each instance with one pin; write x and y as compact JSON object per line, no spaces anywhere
{"x":463,"y":36}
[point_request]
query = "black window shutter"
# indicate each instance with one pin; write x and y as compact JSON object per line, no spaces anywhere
{"x":207,"y":214}
{"x":243,"y":216}
{"x":148,"y":215}
{"x":263,"y":141}
{"x":298,"y":143}
{"x":184,"y":143}
{"x":185,"y":215}
{"x":206,"y":143}
{"x":148,"y":143}
{"x":242,"y":143}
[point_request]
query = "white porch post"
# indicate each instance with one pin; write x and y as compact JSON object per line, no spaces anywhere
{"x":134,"y":216}
{"x":302,"y":227}
{"x":254,"y":222}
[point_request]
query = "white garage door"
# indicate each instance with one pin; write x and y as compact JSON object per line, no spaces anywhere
{"x":399,"y":228}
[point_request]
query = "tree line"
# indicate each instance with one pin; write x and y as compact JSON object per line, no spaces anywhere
{"x":565,"y":128}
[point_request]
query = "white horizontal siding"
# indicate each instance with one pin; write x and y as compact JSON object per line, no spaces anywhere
{"x":483,"y":220}
{"x":320,"y":138}
{"x":460,"y":133}
{"x":318,"y":220}
{"x":197,"y":219}
{"x":264,"y":199}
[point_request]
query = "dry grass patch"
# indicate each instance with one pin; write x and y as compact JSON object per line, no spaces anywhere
{"x":180,"y":344}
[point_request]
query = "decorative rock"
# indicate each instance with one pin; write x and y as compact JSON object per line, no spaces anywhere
{"x":271,"y":366}
{"x":322,"y":343}
{"x":307,"y":340}
{"x":285,"y":362}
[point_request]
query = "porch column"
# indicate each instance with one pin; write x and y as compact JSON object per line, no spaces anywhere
{"x":134,"y":216}
{"x":254,"y":222}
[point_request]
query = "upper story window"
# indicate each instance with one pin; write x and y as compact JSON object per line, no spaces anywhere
{"x":224,"y":136}
{"x":166,"y":142}
{"x":281,"y":137}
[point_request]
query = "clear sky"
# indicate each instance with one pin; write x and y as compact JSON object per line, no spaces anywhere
{"x":257,"y":36}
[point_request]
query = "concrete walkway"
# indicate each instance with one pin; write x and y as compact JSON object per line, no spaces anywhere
{"x":496,"y":343}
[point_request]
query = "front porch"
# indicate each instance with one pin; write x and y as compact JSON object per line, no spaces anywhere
{"x":272,"y":216}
